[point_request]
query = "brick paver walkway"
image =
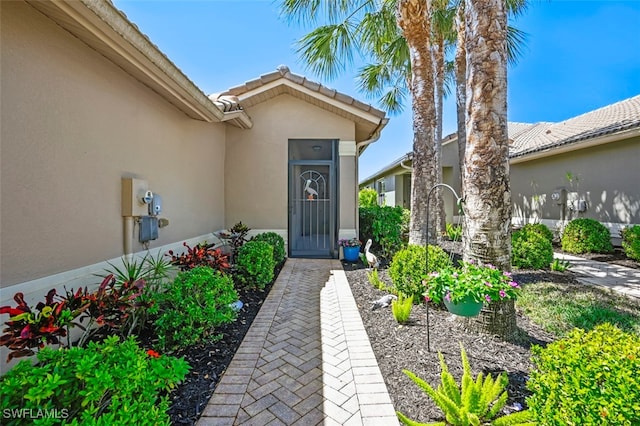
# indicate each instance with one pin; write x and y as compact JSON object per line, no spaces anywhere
{"x":306,"y":360}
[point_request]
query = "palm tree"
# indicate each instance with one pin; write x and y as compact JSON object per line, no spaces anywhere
{"x":487,"y":220}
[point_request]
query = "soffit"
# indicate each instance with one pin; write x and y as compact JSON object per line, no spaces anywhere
{"x":107,"y":30}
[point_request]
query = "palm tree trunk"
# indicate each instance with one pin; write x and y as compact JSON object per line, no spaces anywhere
{"x":414,"y":20}
{"x":487,"y":236}
{"x":460,"y":62}
{"x":438,"y":201}
{"x":486,"y":178}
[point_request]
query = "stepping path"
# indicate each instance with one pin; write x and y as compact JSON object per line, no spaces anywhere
{"x":618,"y":278}
{"x":306,"y":360}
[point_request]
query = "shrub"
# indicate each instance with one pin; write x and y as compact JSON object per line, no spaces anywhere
{"x":473,"y":402}
{"x":195,"y":303}
{"x":30,"y":328}
{"x":367,"y":197}
{"x":539,"y":228}
{"x":255,"y":264}
{"x":587,"y":378}
{"x":104,"y":383}
{"x":384,"y":226}
{"x":408,"y":268}
{"x":585,"y":235}
{"x":276,"y":241}
{"x":631,"y":242}
{"x":200,"y":255}
{"x":530,"y":249}
{"x":401,"y":308}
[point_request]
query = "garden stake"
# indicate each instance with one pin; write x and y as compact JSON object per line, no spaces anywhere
{"x":459,"y":202}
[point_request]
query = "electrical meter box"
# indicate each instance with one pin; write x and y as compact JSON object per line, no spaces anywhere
{"x":133,"y":192}
{"x":559,"y":196}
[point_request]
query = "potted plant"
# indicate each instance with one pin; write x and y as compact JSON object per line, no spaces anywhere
{"x":464,"y":290}
{"x":350,"y":248}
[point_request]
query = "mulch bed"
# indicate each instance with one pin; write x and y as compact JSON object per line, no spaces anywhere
{"x":397,"y":347}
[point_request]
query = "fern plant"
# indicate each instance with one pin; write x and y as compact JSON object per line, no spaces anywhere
{"x":401,"y":308}
{"x":375,"y":280}
{"x":475,"y":402}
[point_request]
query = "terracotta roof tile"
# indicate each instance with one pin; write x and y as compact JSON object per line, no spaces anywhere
{"x":284,"y":72}
{"x":617,"y":117}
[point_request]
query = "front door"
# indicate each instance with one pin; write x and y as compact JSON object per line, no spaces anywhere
{"x":312,"y":194}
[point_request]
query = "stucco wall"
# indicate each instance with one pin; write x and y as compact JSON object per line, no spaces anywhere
{"x":608,"y":178}
{"x":73,"y":124}
{"x":257,"y":159}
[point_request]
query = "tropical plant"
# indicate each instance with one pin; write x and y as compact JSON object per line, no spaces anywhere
{"x":28,"y":329}
{"x":111,"y":305}
{"x":255,"y":265}
{"x":454,"y":232}
{"x":367,"y":197}
{"x":276,"y":241}
{"x":472,"y":402}
{"x":200,"y":255}
{"x":194,"y":304}
{"x":409,"y":268}
{"x":375,"y":280}
{"x":105,"y":383}
{"x":384,"y":226}
{"x":401,"y":308}
{"x":589,"y":377}
{"x":584,"y":235}
{"x":482,"y":283}
{"x":530,"y":249}
{"x":560,"y":265}
{"x":238,"y":236}
{"x":631,"y":241}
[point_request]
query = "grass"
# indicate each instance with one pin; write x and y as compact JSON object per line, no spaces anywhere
{"x":559,"y":308}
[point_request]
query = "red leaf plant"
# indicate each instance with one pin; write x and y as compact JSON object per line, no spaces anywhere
{"x":28,"y":328}
{"x":200,"y":255}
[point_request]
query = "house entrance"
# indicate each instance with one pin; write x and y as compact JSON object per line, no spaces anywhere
{"x":312,"y":198}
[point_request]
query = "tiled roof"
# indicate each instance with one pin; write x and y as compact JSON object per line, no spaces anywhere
{"x":283,"y":72}
{"x":618,"y":117}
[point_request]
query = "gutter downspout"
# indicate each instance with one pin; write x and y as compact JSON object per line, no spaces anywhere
{"x":375,"y":135}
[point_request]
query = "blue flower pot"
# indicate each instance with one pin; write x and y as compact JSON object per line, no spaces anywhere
{"x":466,"y":307}
{"x":351,"y":254}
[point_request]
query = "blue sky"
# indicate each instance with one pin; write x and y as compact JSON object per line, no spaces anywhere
{"x":579,"y":56}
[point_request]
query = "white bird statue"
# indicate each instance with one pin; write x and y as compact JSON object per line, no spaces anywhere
{"x":312,"y":192}
{"x":372,"y":260}
{"x":384,"y":301}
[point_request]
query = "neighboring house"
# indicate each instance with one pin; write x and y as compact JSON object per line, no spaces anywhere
{"x":586,"y":166}
{"x":94,"y":116}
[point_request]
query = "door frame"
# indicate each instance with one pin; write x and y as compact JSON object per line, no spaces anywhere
{"x":333,"y":210}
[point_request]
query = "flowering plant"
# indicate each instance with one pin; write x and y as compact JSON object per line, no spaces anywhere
{"x":349,"y":242}
{"x":483,"y":283}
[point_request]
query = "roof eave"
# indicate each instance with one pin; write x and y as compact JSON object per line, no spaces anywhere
{"x":104,"y":28}
{"x":587,"y":143}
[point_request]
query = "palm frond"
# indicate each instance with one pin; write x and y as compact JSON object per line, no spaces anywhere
{"x":328,"y":49}
{"x":516,"y":41}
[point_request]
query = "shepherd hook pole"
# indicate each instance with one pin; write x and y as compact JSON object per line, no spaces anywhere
{"x":426,"y":251}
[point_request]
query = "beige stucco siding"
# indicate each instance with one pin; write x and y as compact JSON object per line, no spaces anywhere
{"x":608,"y":178}
{"x":73,"y":124}
{"x":257,"y":159}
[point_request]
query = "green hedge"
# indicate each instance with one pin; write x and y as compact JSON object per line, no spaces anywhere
{"x":587,"y":378}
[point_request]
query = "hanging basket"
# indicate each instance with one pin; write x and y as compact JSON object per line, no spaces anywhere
{"x":466,"y":307}
{"x":351,"y":254}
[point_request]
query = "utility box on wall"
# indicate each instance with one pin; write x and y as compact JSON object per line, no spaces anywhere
{"x":148,"y":229}
{"x":133,"y":191}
